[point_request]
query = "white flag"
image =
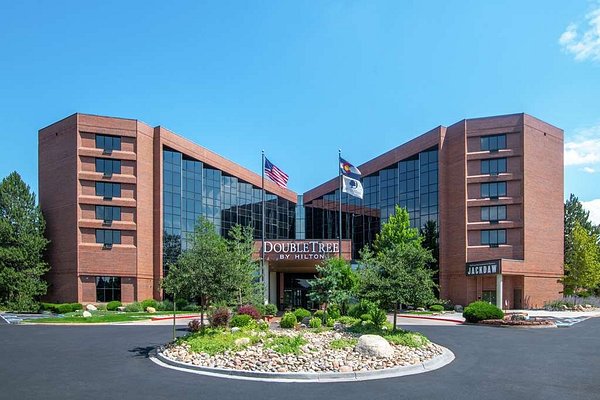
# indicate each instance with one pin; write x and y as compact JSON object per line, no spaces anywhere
{"x":352,"y":186}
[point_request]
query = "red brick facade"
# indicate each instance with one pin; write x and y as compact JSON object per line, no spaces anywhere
{"x":531,"y":259}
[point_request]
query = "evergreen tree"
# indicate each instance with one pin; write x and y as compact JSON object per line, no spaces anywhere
{"x":22,"y":244}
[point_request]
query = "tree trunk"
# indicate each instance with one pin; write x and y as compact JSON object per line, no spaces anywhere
{"x":395,"y":314}
{"x":201,"y":312}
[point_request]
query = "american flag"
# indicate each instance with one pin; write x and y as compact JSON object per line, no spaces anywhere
{"x":275,"y":174}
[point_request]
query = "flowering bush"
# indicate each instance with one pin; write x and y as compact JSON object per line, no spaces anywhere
{"x":249,"y":310}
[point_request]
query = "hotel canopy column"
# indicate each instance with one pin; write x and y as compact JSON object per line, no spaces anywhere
{"x":499,"y":291}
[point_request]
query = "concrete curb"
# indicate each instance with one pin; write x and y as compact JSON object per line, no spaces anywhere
{"x":309,"y":377}
{"x":456,"y":321}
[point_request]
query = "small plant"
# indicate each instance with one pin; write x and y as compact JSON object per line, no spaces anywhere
{"x":366,"y":317}
{"x":191,"y":307}
{"x":133,"y":307}
{"x":436,"y":308}
{"x":241,"y":320}
{"x":165,"y":305}
{"x":249,"y":310}
{"x":314,"y":322}
{"x":113,"y":305}
{"x":481,"y":311}
{"x":378,"y":316}
{"x":220,"y":317}
{"x":330,"y":322}
{"x":361,"y":308}
{"x":321,"y":314}
{"x":348,"y":321}
{"x":76,"y":306}
{"x":287,"y":344}
{"x":181,"y":304}
{"x":333,"y":311}
{"x":263,"y":326}
{"x":270,"y":309}
{"x":288,"y":320}
{"x":301,"y":313}
{"x":343,"y":343}
{"x":149,"y":303}
{"x":194,"y":325}
{"x":406,"y":338}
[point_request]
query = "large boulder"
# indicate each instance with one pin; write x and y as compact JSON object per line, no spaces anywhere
{"x":458,"y":308}
{"x":150,"y":310}
{"x":91,"y":307}
{"x":87,"y":314}
{"x":374,"y":346}
{"x":242,"y":341}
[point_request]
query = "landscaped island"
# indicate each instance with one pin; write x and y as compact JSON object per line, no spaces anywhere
{"x":350,"y":345}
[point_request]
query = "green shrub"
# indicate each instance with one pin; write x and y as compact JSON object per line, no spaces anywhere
{"x":220,"y":317}
{"x":61,"y":308}
{"x":348,"y":321}
{"x":262,"y":326}
{"x":149,"y":303}
{"x":366,"y":317}
{"x":287,"y":344}
{"x":181,"y":304}
{"x":314,"y":322}
{"x":330,"y":322}
{"x":241,"y":320}
{"x":133,"y":307}
{"x":361,"y":308}
{"x":64,"y":308}
{"x":270,"y":309}
{"x":101,"y":307}
{"x":406,"y":338}
{"x":191,"y":307}
{"x":76,"y":306}
{"x":480,"y":311}
{"x":378,"y":316}
{"x":288,"y":320}
{"x":333,"y":311}
{"x":339,"y":344}
{"x":112,"y":306}
{"x":436,"y":308}
{"x":301,"y":313}
{"x":321,"y":314}
{"x":165,"y":305}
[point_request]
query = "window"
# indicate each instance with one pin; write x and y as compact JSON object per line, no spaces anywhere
{"x":108,"y":190}
{"x":493,"y":237}
{"x":108,"y":288}
{"x":493,"y":213}
{"x":489,"y":296}
{"x":108,"y":213}
{"x":108,"y":166}
{"x":493,"y":143}
{"x":493,"y":166}
{"x":108,"y":237}
{"x":493,"y":189}
{"x":108,"y":143}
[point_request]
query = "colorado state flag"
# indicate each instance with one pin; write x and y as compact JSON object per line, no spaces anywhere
{"x":351,"y":179}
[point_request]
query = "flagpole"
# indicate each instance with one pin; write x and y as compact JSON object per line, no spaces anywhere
{"x":340,"y":211}
{"x":262,"y":251}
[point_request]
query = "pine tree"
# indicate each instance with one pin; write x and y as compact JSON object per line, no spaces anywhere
{"x":22,"y":244}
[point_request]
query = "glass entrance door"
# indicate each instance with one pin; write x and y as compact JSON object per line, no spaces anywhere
{"x":295,"y":291}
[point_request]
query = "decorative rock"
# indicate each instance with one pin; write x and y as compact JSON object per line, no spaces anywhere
{"x":374,"y":346}
{"x":235,"y":329}
{"x":420,"y":309}
{"x":87,"y":314}
{"x":242,"y":341}
{"x":121,"y":309}
{"x":91,"y":307}
{"x":458,"y":308}
{"x":305,"y":321}
{"x":345,"y":368}
{"x":150,"y":310}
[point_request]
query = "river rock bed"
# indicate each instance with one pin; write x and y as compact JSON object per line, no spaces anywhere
{"x":316,"y":356}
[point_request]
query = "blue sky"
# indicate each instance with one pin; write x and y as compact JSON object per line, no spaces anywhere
{"x":302,"y":78}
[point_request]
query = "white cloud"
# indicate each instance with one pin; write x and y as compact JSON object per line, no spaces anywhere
{"x":584,"y":148}
{"x":589,"y":170}
{"x":593,"y":206}
{"x":584,"y":45}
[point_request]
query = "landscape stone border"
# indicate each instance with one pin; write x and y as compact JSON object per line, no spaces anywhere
{"x":437,"y":362}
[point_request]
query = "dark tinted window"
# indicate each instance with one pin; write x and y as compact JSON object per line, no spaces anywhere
{"x":493,"y":143}
{"x":493,"y":166}
{"x":493,"y":189}
{"x":108,"y":213}
{"x":108,"y":236}
{"x":108,"y":166}
{"x":493,"y":237}
{"x":493,"y":213}
{"x":108,"y":288}
{"x":108,"y":143}
{"x":108,"y":190}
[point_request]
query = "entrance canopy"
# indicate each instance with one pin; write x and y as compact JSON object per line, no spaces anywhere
{"x":301,"y":252}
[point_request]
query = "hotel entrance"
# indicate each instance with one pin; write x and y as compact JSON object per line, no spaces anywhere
{"x":295,"y":291}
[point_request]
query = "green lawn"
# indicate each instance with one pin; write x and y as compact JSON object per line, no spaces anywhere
{"x":103,"y":317}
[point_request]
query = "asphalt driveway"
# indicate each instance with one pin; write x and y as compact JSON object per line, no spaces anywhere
{"x":108,"y":362}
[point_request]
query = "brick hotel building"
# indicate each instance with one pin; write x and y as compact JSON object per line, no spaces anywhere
{"x":120,"y":198}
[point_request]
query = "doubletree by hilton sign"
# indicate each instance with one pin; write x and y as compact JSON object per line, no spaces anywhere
{"x":301,"y":249}
{"x":491,"y":267}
